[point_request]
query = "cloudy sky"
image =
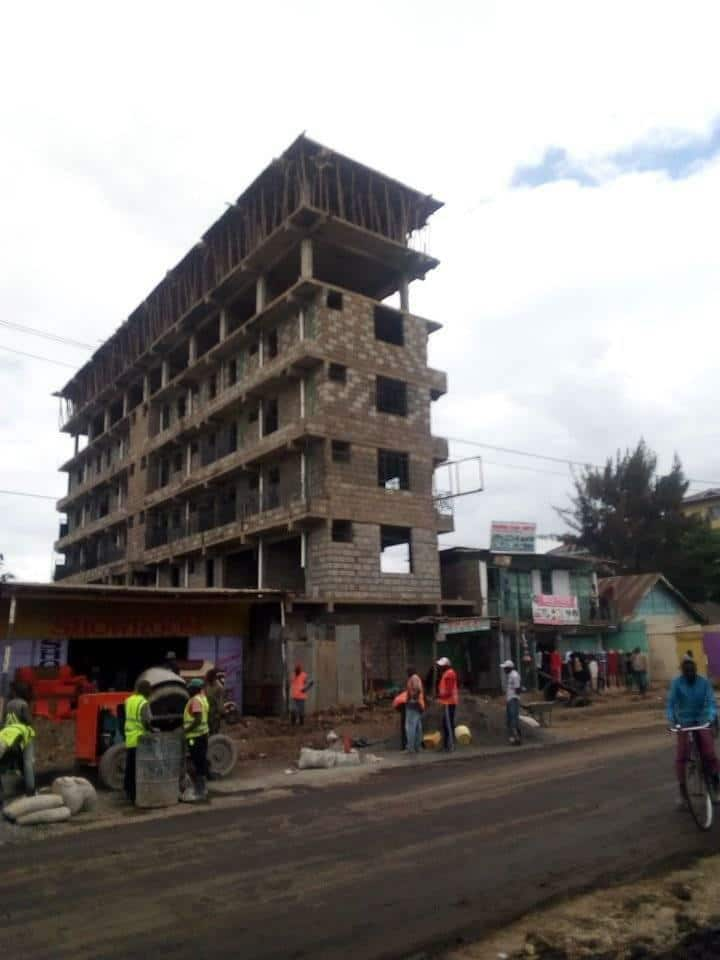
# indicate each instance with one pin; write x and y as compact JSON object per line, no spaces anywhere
{"x":576,"y":146}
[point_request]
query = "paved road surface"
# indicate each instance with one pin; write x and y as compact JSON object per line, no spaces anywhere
{"x":406,"y":861}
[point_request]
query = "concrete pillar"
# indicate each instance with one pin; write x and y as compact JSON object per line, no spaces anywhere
{"x":192,"y":349}
{"x":261,"y":350}
{"x":302,"y":398}
{"x":303,"y":474}
{"x":260,"y":565}
{"x":405,"y":294}
{"x":260,"y":294}
{"x":189,"y":402}
{"x":261,"y":419}
{"x":106,"y":420}
{"x":223,"y":325}
{"x":306,"y":258}
{"x":157,"y":575}
{"x":303,"y":549}
{"x":186,"y":573}
{"x":77,"y":443}
{"x":261,"y":489}
{"x":301,"y":324}
{"x":165,"y":373}
{"x":146,"y":388}
{"x":188,"y":463}
{"x":126,"y":403}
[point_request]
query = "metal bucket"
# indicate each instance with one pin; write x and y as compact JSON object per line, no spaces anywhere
{"x":159,"y":763}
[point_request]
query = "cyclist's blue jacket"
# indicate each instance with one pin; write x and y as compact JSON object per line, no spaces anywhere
{"x":691,"y":704}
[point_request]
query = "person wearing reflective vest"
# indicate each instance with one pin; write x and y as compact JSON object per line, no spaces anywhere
{"x":196,"y":724}
{"x":299,"y":686}
{"x":19,"y":737}
{"x":138,"y":720}
{"x":448,"y":697}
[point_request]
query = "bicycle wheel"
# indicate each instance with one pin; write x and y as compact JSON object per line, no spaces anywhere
{"x":697,"y":793}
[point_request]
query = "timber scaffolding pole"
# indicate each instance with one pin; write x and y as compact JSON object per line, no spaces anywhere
{"x":306,"y":175}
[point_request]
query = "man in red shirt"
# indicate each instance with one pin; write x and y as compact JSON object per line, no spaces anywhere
{"x":448,"y":697}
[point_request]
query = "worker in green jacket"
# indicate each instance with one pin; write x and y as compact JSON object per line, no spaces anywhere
{"x":196,"y":725}
{"x":138,"y":720}
{"x":18,"y":739}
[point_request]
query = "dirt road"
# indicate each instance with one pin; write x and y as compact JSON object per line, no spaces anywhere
{"x":404,"y":862}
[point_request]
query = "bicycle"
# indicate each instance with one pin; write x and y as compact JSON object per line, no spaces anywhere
{"x":696,"y":787}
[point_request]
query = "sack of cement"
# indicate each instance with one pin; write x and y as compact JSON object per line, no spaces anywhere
{"x":317,"y":759}
{"x":89,"y":794}
{"x":26,"y":805}
{"x":528,"y":721}
{"x":55,"y":815}
{"x":77,"y":794}
{"x":351,"y":759}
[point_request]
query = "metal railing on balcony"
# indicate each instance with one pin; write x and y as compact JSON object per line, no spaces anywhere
{"x":224,"y":512}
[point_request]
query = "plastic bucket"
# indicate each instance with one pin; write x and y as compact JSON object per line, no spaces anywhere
{"x":463,"y":735}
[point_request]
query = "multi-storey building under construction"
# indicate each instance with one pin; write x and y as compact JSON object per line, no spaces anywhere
{"x":262,"y":419}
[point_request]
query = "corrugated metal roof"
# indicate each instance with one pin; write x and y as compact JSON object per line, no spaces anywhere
{"x":149,"y":594}
{"x":712,"y":494}
{"x":627,"y":592}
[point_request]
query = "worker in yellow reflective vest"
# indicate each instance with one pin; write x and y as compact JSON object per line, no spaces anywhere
{"x":17,"y":742}
{"x":138,"y":720}
{"x":196,"y":724}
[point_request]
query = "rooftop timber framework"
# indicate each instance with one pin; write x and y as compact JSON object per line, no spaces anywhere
{"x":308,"y":177}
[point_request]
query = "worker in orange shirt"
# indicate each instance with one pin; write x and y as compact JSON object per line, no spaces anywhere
{"x":299,"y":686}
{"x":448,"y":697}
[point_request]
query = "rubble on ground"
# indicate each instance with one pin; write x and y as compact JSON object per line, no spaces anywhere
{"x":675,"y":917}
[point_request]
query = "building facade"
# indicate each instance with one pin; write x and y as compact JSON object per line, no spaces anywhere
{"x":705,"y":505}
{"x":527,"y":605}
{"x":654,"y":617}
{"x":262,"y":420}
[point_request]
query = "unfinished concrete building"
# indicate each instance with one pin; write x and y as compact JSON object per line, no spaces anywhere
{"x":263,"y":418}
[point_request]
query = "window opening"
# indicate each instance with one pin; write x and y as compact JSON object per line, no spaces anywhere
{"x":389,"y":326}
{"x":393,"y":470}
{"x":391,"y":396}
{"x":395,"y":550}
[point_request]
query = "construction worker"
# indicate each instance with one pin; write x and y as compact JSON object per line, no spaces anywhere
{"x":448,"y":697}
{"x":17,"y":709}
{"x":17,"y":738}
{"x":299,"y":686}
{"x":215,"y":692}
{"x":196,"y":724}
{"x":138,"y":720}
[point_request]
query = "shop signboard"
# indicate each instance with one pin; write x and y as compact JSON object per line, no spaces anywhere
{"x":555,"y":611}
{"x":462,"y":625}
{"x":511,"y":537}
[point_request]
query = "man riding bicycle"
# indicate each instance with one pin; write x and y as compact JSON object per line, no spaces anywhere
{"x":691,"y":703}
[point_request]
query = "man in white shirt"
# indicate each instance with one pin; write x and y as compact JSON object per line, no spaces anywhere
{"x":512,"y":695}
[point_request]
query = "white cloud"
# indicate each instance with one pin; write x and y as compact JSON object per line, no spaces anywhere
{"x":575,"y":319}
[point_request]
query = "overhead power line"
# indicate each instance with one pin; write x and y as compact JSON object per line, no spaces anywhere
{"x":25,"y":493}
{"x":541,"y":456}
{"x":35,"y":356}
{"x":47,"y":335}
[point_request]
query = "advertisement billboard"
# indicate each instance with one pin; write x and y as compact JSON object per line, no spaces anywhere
{"x":511,"y":537}
{"x":555,"y":611}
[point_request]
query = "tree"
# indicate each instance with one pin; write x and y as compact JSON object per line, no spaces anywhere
{"x":5,"y":574}
{"x":628,"y":514}
{"x":697,"y":571}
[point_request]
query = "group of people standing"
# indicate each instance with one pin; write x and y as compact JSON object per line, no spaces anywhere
{"x":412,"y":705}
{"x":201,"y":718}
{"x":601,"y":670}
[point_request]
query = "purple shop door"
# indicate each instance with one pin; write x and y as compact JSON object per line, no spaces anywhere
{"x":711,"y":642}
